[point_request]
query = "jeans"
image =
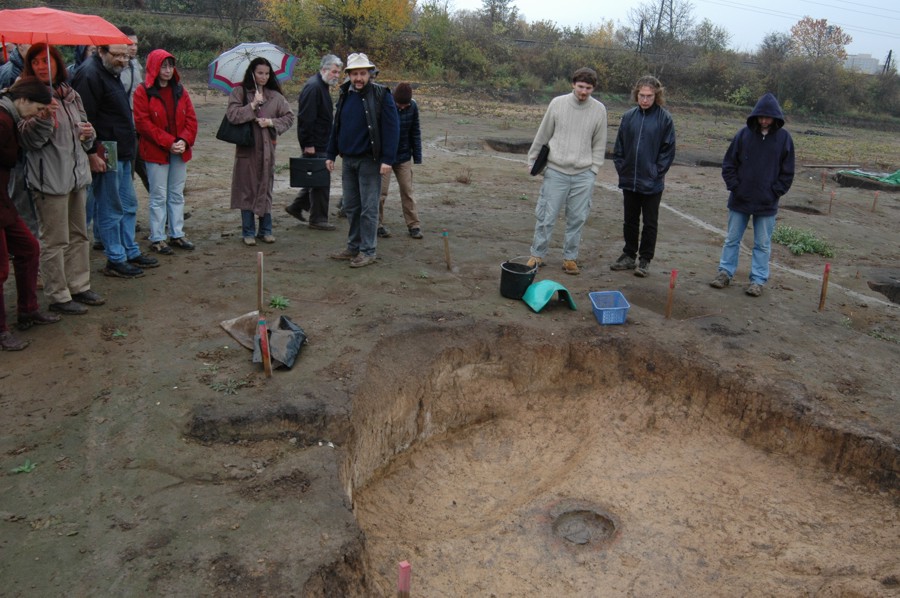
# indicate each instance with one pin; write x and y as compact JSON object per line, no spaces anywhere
{"x":403,"y":172}
{"x":361,"y":178}
{"x":115,"y":209}
{"x":166,"y":197}
{"x":248,"y":224}
{"x":17,"y":240}
{"x":635,"y":205}
{"x":763,"y":227}
{"x":569,"y":191}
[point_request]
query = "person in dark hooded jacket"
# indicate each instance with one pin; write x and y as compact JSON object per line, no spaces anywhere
{"x":12,"y":68}
{"x":167,"y":128}
{"x":758,"y":169}
{"x":643,"y":153}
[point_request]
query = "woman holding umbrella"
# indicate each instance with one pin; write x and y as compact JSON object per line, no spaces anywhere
{"x":257,"y":100}
{"x":58,"y":174}
{"x":26,"y":98}
{"x":167,"y":126}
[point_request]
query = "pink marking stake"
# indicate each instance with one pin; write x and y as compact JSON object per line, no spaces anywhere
{"x":671,"y":297}
{"x":404,"y":573}
{"x":824,"y":287}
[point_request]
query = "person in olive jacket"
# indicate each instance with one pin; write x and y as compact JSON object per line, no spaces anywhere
{"x":643,"y":153}
{"x":167,"y":128}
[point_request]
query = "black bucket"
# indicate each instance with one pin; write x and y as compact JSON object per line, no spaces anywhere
{"x":515,"y":278}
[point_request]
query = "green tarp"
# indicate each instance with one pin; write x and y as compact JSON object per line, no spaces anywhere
{"x":881,"y":177}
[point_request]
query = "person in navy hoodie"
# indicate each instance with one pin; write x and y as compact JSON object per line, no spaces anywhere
{"x":758,"y":169}
{"x":643,"y":153}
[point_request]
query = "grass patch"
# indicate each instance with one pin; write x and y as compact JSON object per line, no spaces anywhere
{"x":800,"y":241}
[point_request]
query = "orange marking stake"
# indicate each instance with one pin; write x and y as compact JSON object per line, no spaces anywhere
{"x":404,"y":574}
{"x":446,"y":236}
{"x":261,"y":327}
{"x":671,"y":297}
{"x":824,"y":287}
{"x":875,"y":201}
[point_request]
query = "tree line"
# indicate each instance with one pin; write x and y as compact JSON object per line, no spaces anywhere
{"x":495,"y":48}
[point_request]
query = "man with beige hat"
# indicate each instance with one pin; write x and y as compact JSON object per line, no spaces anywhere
{"x":365,"y":134}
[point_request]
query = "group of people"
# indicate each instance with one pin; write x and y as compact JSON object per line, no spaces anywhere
{"x":68,"y":150}
{"x":374,"y":130}
{"x":758,"y":170}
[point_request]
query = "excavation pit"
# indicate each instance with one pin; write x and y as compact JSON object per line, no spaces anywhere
{"x":716,"y":482}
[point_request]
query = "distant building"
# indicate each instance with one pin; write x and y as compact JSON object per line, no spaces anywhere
{"x":862,"y":63}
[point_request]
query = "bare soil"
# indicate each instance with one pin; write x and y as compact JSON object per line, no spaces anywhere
{"x":744,"y":446}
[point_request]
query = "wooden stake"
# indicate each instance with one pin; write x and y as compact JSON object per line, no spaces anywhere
{"x":824,"y":287}
{"x":404,"y":574}
{"x":875,"y":201}
{"x":823,"y":180}
{"x":261,"y":328}
{"x":831,"y":201}
{"x":671,"y":296}
{"x":446,"y":236}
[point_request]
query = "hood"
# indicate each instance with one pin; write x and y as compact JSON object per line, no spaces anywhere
{"x":80,"y":54}
{"x":154,"y":61}
{"x":7,"y":104}
{"x":767,"y":105}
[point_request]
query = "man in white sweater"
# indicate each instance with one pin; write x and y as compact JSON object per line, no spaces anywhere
{"x":574,"y":128}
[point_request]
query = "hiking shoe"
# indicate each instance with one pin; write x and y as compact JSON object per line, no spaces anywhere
{"x":161,"y":248}
{"x":625,"y":262}
{"x":267,"y":238}
{"x":344,"y":255}
{"x":570,"y":267}
{"x":249,"y":241}
{"x":9,"y":342}
{"x":144,"y":261}
{"x":88,"y":297}
{"x":362,"y":260}
{"x":182,"y":243}
{"x":415,"y":233}
{"x":383,"y":232}
{"x":642,"y":270}
{"x":69,"y":308}
{"x":535,"y":261}
{"x":754,"y":290}
{"x":721,"y":280}
{"x":26,"y":321}
{"x":97,"y":246}
{"x":296,"y":212}
{"x":122,"y":270}
{"x":341,"y":213}
{"x":322,"y":226}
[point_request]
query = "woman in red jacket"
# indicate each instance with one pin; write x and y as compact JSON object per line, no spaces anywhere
{"x":167,"y":124}
{"x":26,"y":98}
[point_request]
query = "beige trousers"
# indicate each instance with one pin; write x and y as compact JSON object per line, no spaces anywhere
{"x":65,"y":250}
{"x":403,"y":172}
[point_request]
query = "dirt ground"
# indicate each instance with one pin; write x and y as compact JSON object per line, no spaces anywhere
{"x":741,"y":447}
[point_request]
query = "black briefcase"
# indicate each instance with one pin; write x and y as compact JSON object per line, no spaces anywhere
{"x":309,"y":172}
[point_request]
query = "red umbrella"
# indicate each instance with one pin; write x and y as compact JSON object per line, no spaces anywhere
{"x":34,"y":25}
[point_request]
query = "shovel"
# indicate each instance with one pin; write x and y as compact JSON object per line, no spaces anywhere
{"x":244,"y":328}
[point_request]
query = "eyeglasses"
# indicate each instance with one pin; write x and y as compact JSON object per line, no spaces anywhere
{"x":118,"y":55}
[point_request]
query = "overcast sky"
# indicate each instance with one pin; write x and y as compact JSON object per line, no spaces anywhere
{"x":874,"y":25}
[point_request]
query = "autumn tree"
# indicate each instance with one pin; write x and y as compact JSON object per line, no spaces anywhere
{"x":815,"y":39}
{"x":357,"y":21}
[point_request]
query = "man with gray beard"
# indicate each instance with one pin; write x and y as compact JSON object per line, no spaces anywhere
{"x":314,"y":115}
{"x":106,"y":104}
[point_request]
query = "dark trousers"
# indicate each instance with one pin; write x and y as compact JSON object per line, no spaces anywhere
{"x":314,"y":199}
{"x":637,"y":204}
{"x":17,"y":240}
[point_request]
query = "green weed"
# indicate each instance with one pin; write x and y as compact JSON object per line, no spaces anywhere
{"x":279,"y":302}
{"x":27,"y":467}
{"x":229,"y":387}
{"x":800,"y":241}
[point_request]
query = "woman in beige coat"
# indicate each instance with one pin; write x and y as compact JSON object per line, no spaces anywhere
{"x":258,"y":100}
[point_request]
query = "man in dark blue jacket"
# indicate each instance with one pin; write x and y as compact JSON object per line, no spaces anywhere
{"x":108,"y":109}
{"x":758,"y":169}
{"x":315,"y":111}
{"x":365,"y":134}
{"x":409,"y":152}
{"x":643,"y":153}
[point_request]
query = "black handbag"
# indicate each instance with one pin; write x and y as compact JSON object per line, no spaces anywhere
{"x":541,"y":162}
{"x":309,"y":172}
{"x":241,"y":134}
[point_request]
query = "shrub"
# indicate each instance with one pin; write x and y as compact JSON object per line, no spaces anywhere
{"x":800,"y":241}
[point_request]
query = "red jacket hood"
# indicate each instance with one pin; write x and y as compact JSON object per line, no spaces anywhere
{"x":154,"y":61}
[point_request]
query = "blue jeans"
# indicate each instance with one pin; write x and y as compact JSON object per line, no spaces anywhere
{"x":248,"y":224}
{"x":115,"y":211}
{"x":763,"y":226}
{"x":572,"y":192}
{"x":361,"y":179}
{"x":166,"y":183}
